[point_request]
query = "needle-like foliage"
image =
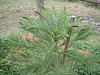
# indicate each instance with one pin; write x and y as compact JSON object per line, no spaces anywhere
{"x":53,"y":27}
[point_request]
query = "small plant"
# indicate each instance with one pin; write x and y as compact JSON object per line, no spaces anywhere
{"x":8,"y":66}
{"x":8,"y":63}
{"x":47,"y":49}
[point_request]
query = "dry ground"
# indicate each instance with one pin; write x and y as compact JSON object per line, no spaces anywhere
{"x":12,"y":11}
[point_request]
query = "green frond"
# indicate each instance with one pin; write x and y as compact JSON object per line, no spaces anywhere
{"x":16,"y":40}
{"x":77,"y":56}
{"x":44,"y":66}
{"x":84,"y":33}
{"x":30,"y":68}
{"x":89,"y":63}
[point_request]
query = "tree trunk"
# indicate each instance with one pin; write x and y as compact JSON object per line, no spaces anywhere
{"x":92,"y":1}
{"x":67,"y":42}
{"x":40,"y":3}
{"x":65,"y":50}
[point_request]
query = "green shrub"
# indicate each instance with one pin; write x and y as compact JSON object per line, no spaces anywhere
{"x":47,"y":53}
